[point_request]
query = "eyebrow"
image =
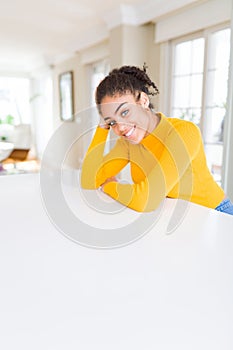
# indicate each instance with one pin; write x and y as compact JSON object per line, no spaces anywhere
{"x":120,"y":105}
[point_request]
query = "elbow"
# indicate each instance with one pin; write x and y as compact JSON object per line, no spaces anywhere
{"x":147,"y":205}
{"x":87,"y":183}
{"x":146,"y":199}
{"x":86,"y":186}
{"x":144,"y":209}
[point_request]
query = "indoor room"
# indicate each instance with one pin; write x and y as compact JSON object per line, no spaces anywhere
{"x":96,"y":252}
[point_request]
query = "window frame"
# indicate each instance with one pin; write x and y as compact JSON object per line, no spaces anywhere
{"x":205,"y":33}
{"x":175,"y":42}
{"x":169,"y":47}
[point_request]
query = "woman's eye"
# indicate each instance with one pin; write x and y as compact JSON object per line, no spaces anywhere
{"x":124,"y":113}
{"x":112,"y":123}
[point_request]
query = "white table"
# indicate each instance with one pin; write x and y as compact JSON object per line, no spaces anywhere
{"x":161,"y":292}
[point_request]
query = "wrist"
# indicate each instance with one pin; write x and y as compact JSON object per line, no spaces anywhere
{"x":104,"y":126}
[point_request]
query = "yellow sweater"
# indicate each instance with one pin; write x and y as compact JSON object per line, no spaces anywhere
{"x":169,"y":162}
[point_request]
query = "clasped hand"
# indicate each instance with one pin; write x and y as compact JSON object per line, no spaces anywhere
{"x":109,"y":179}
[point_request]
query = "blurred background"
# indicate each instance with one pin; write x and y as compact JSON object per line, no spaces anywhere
{"x":53,"y":55}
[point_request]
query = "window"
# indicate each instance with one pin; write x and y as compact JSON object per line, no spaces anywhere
{"x":216,"y":96}
{"x":14,"y":100}
{"x":98,"y":71}
{"x":199,"y":88}
{"x":188,"y":80}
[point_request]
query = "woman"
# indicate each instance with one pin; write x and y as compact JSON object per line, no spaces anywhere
{"x":166,"y":155}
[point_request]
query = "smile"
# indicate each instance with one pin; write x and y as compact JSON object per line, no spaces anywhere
{"x":130,"y":132}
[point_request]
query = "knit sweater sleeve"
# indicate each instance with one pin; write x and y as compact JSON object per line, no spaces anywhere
{"x":180,"y":148}
{"x":96,"y":167}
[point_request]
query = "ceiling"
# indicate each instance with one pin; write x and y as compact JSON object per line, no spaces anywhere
{"x":34,"y":33}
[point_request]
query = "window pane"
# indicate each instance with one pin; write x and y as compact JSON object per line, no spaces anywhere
{"x":220,"y":49}
{"x":217,"y":76}
{"x":191,"y":114}
{"x":194,"y":115}
{"x":214,"y":154}
{"x":14,"y":99}
{"x":214,"y":123}
{"x":188,"y":80}
{"x":198,"y":55}
{"x":216,"y":96}
{"x":196,"y":90}
{"x":181,"y":92}
{"x":217,"y":88}
{"x":182,"y":58}
{"x":98,"y":72}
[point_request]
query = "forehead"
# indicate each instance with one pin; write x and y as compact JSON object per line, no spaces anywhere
{"x":110,"y":104}
{"x":118,"y":98}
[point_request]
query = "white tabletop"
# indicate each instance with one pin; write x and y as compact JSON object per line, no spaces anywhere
{"x":160,"y":292}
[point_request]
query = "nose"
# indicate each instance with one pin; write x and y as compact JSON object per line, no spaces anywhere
{"x":121,"y":127}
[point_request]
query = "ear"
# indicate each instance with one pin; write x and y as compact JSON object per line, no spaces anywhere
{"x":144,"y":100}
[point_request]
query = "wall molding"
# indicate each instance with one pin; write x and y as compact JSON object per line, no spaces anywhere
{"x":125,"y":14}
{"x":145,"y":12}
{"x":190,"y":20}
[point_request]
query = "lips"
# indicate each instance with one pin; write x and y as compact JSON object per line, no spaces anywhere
{"x":130,"y":131}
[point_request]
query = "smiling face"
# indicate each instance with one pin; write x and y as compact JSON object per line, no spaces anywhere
{"x":128,"y":117}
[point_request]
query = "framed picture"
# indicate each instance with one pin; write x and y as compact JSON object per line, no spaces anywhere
{"x":66,"y":91}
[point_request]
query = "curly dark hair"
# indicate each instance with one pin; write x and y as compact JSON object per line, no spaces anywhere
{"x":126,"y":79}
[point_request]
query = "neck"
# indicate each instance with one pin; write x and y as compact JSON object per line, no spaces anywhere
{"x":153,"y":121}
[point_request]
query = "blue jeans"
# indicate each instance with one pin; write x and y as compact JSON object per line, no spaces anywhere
{"x":225,"y":206}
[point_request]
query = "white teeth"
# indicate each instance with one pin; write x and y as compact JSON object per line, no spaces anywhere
{"x":129,"y":133}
